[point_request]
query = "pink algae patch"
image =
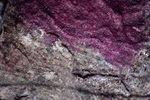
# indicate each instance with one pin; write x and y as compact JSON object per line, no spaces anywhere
{"x":114,"y":27}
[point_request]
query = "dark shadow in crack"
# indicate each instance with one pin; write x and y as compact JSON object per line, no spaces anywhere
{"x":87,"y":73}
{"x":79,"y":89}
{"x":112,"y":95}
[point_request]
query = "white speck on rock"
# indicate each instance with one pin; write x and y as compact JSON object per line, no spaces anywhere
{"x":58,"y":47}
{"x":49,"y":75}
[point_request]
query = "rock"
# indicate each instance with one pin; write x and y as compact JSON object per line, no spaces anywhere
{"x":43,"y":58}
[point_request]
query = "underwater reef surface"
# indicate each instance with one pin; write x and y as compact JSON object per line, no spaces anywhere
{"x":114,"y":27}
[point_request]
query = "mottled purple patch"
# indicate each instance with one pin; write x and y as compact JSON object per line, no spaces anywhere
{"x":114,"y":27}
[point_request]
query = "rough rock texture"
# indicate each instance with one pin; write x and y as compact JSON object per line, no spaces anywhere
{"x":44,"y":61}
{"x":114,"y":27}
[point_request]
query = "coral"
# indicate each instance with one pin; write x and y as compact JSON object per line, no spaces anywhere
{"x":114,"y":27}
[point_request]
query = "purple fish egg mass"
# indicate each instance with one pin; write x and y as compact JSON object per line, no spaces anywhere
{"x":114,"y":27}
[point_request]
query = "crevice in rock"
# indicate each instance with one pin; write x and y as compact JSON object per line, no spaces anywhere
{"x":64,"y":45}
{"x":79,"y":89}
{"x":20,"y":51}
{"x":86,"y":74}
{"x":125,"y":86}
{"x":86,"y":91}
{"x":19,"y":97}
{"x":53,"y":33}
